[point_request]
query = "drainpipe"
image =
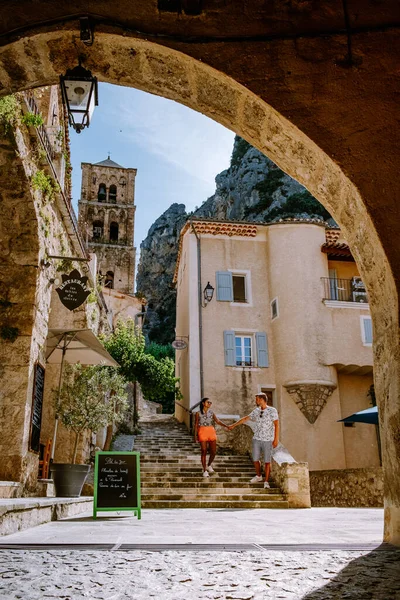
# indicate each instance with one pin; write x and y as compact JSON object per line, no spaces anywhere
{"x":200,"y":311}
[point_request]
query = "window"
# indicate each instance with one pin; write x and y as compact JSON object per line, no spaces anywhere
{"x":233,"y":286}
{"x":109,"y":280}
{"x":102,"y":193}
{"x":112,"y":194}
{"x":243,"y":352}
{"x":113,"y":232}
{"x":274,"y":309}
{"x":239,"y":288}
{"x":245,"y":349}
{"x":98,"y":229}
{"x":366,"y":330}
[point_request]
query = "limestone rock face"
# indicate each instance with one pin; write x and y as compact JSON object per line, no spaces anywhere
{"x":158,"y":254}
{"x":252,"y":189}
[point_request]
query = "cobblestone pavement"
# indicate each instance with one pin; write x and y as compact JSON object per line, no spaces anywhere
{"x":170,"y":575}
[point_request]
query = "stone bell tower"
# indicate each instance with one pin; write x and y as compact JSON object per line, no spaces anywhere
{"x":107,"y":219}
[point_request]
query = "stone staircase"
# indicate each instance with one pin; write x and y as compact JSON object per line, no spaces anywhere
{"x":172,"y":475}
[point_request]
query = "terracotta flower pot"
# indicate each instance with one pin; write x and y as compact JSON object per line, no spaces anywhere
{"x":68,"y":479}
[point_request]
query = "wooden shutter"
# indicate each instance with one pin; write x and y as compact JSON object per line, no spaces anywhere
{"x":229,"y":347}
{"x":224,"y":286}
{"x":262,"y":349}
{"x":367,"y":331}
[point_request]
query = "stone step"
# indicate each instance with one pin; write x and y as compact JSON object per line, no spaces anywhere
{"x":192,"y":477}
{"x":214,"y":504}
{"x":216,"y":491}
{"x":205,"y":483}
{"x":216,"y":498}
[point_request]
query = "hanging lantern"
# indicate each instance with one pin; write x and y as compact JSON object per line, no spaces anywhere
{"x":80,"y":95}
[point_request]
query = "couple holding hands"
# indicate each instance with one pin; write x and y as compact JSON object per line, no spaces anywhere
{"x":266,"y":433}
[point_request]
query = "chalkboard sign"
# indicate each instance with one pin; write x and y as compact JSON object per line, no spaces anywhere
{"x":117,"y":482}
{"x":37,"y":406}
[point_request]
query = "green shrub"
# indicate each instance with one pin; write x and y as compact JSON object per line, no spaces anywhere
{"x":8,"y":111}
{"x":46,"y":184}
{"x":9,"y":333}
{"x":240,"y":148}
{"x":302,"y":202}
{"x":32,"y":120}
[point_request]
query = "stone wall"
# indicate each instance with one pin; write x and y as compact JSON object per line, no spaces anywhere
{"x":347,"y":488}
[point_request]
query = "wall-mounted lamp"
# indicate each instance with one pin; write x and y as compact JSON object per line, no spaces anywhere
{"x":208,"y":293}
{"x":80,"y":94}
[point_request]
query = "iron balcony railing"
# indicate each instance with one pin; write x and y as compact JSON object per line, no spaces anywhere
{"x":41,"y":130}
{"x":344,"y":290}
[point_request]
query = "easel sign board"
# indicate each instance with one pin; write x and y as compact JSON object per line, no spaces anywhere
{"x":117,"y":482}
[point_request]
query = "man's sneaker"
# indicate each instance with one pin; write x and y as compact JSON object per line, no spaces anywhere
{"x":210,"y":469}
{"x":266,"y":485}
{"x":205,"y":474}
{"x":256,"y":479}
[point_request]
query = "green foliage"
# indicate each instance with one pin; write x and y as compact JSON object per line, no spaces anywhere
{"x":46,"y":184}
{"x":371,"y":394}
{"x":32,"y":120}
{"x":156,"y":377}
{"x":90,"y":398}
{"x":9,"y":109}
{"x":240,"y":148}
{"x":160,"y":351}
{"x":8,"y":333}
{"x":65,"y":265}
{"x":266,"y":189}
{"x":302,"y":202}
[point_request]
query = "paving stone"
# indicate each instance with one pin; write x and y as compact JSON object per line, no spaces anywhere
{"x":76,"y":575}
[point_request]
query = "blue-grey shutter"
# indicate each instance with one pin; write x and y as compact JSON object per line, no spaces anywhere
{"x":229,"y":347}
{"x":262,"y":349}
{"x":224,"y":286}
{"x":368,"y":331}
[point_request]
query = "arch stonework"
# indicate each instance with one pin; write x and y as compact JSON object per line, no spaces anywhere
{"x":330,"y":125}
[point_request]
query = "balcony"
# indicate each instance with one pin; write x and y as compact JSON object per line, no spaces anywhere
{"x":344,"y":290}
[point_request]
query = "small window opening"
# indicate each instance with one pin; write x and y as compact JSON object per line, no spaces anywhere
{"x":239,"y":288}
{"x":109,"y":280}
{"x":113,"y":232}
{"x":274,"y":308}
{"x":112,"y":194}
{"x":102,"y":193}
{"x":98,"y":230}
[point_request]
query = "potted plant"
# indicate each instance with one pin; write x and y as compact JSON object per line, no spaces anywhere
{"x":90,"y":398}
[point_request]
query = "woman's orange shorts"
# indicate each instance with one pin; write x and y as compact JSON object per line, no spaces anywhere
{"x":207,"y":434}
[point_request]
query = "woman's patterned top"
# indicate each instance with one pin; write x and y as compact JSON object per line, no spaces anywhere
{"x":206,"y":419}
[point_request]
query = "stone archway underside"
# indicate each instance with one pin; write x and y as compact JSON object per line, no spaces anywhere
{"x":331,"y":128}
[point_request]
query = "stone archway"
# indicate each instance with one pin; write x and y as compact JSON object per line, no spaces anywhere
{"x":326,"y":163}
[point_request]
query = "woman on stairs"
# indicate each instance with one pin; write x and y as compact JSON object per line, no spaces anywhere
{"x":204,"y":428}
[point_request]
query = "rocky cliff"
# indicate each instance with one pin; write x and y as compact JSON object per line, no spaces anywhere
{"x":253,"y":188}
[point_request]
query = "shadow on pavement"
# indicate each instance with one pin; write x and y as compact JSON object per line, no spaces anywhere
{"x":375,"y":576}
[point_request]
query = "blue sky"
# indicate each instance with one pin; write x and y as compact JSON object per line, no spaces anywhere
{"x":176,"y":151}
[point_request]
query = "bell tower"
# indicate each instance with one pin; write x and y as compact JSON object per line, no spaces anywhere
{"x":107,"y":220}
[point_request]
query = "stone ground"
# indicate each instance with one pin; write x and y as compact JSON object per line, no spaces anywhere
{"x":251,"y":575}
{"x":319,"y":554}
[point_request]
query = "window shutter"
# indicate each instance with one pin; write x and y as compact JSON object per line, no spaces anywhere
{"x":229,"y":347}
{"x":224,"y":286}
{"x":262,"y":349}
{"x":367,"y":331}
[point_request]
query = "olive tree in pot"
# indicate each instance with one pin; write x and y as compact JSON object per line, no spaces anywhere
{"x":90,"y":398}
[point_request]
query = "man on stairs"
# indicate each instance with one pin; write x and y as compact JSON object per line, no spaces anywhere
{"x":266,"y":435}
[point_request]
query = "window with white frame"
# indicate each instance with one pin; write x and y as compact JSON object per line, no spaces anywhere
{"x":233,"y":286}
{"x":239,"y":288}
{"x":243,"y":350}
{"x":366,"y":330}
{"x":274,"y":309}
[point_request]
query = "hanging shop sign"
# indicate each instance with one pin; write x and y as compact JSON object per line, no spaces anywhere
{"x":73,"y":290}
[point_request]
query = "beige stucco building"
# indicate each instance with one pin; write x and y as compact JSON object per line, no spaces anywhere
{"x":290,"y":317}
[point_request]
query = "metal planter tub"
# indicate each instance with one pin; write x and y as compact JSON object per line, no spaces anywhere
{"x":68,"y":479}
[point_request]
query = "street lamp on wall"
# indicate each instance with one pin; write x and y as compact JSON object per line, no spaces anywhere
{"x":80,"y":94}
{"x":208,"y":293}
